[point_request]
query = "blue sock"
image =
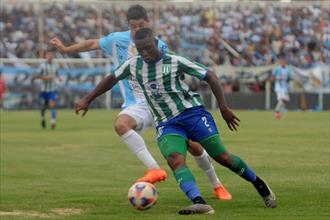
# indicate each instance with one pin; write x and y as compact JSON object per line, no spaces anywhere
{"x":53,"y":113}
{"x":187,"y":182}
{"x":190,"y":189}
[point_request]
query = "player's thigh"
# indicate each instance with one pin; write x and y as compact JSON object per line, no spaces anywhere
{"x":142,"y":117}
{"x":172,"y":144}
{"x":282,"y":95}
{"x":124,"y":122}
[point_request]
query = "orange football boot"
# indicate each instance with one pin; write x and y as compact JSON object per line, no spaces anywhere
{"x":153,"y":176}
{"x":221,"y":193}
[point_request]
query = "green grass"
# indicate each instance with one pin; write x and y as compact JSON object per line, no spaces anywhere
{"x":83,"y":164}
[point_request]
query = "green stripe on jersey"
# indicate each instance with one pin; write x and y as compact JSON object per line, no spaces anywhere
{"x":152,"y":79}
{"x":138,"y":72}
{"x":167,"y":70}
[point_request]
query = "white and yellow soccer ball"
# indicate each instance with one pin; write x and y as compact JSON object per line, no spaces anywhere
{"x":142,"y":195}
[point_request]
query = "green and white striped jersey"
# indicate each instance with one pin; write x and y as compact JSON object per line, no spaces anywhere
{"x":166,"y":93}
{"x":49,"y":69}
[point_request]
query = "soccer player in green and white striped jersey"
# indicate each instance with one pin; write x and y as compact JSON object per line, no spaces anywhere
{"x":180,"y":116}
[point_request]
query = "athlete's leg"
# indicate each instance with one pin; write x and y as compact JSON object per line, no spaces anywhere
{"x":218,"y":152}
{"x":125,"y":126}
{"x":204,"y":130}
{"x":174,"y":149}
{"x":43,"y":107}
{"x":52,"y":106}
{"x":204,"y":162}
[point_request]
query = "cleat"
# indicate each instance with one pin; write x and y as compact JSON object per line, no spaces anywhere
{"x":277,"y":115}
{"x":153,"y":176}
{"x":270,"y":200}
{"x":197,"y":209}
{"x":43,"y":124}
{"x":53,"y":125}
{"x":222,"y":193}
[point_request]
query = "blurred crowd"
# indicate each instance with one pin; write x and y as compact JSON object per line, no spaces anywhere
{"x":259,"y":33}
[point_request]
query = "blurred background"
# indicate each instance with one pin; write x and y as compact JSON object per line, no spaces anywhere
{"x":211,"y":32}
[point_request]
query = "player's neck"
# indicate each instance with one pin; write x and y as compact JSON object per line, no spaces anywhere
{"x":159,"y":56}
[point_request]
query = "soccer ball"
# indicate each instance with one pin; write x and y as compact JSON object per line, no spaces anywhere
{"x":142,"y":195}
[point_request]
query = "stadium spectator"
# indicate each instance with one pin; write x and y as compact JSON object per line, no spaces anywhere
{"x":2,"y":89}
{"x":260,"y":33}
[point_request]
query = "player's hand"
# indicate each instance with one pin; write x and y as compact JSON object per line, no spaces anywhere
{"x":81,"y":105}
{"x":58,"y":44}
{"x":230,"y":118}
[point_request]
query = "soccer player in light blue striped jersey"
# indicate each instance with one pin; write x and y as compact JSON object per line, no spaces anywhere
{"x":48,"y":73}
{"x":282,"y":77}
{"x":179,"y":115}
{"x":135,"y":115}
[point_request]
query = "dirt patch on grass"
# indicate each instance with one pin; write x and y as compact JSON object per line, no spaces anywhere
{"x":53,"y":213}
{"x":66,"y":146}
{"x":67,"y":211}
{"x":25,"y":214}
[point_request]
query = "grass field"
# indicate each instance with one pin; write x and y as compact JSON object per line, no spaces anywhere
{"x":82,"y":170}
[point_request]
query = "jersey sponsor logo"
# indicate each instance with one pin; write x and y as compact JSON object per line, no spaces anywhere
{"x":154,"y":88}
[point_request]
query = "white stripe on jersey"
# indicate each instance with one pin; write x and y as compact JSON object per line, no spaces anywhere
{"x":144,"y":74}
{"x":160,"y":83}
{"x":183,"y":60}
{"x":174,"y":68}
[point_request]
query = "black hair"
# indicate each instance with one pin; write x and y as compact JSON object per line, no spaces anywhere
{"x":136,"y":12}
{"x":143,"y":33}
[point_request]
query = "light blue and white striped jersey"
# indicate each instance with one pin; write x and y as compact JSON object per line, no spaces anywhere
{"x":120,"y":47}
{"x":282,"y":78}
{"x":49,"y":70}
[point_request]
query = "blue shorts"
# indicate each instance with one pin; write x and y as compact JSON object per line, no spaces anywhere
{"x":194,"y":123}
{"x":48,"y":95}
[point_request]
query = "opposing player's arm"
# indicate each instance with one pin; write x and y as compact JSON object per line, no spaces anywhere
{"x":85,"y":45}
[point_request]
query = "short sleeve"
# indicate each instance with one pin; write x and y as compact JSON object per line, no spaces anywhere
{"x":191,"y":68}
{"x":106,"y":43}
{"x":123,"y":70}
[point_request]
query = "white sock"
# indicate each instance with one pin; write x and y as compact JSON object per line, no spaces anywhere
{"x":205,"y":164}
{"x":280,"y":105}
{"x":136,"y":144}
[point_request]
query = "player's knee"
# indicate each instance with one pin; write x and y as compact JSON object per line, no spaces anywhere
{"x":120,"y":127}
{"x":224,"y":159}
{"x":195,"y":149}
{"x":175,"y":161}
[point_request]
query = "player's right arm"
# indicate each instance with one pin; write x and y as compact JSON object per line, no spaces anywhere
{"x":105,"y":85}
{"x":82,"y":46}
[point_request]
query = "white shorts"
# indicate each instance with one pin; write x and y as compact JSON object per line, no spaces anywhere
{"x":141,"y":115}
{"x":282,"y":95}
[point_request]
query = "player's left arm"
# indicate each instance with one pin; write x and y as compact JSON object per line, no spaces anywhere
{"x":201,"y":72}
{"x":230,"y":118}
